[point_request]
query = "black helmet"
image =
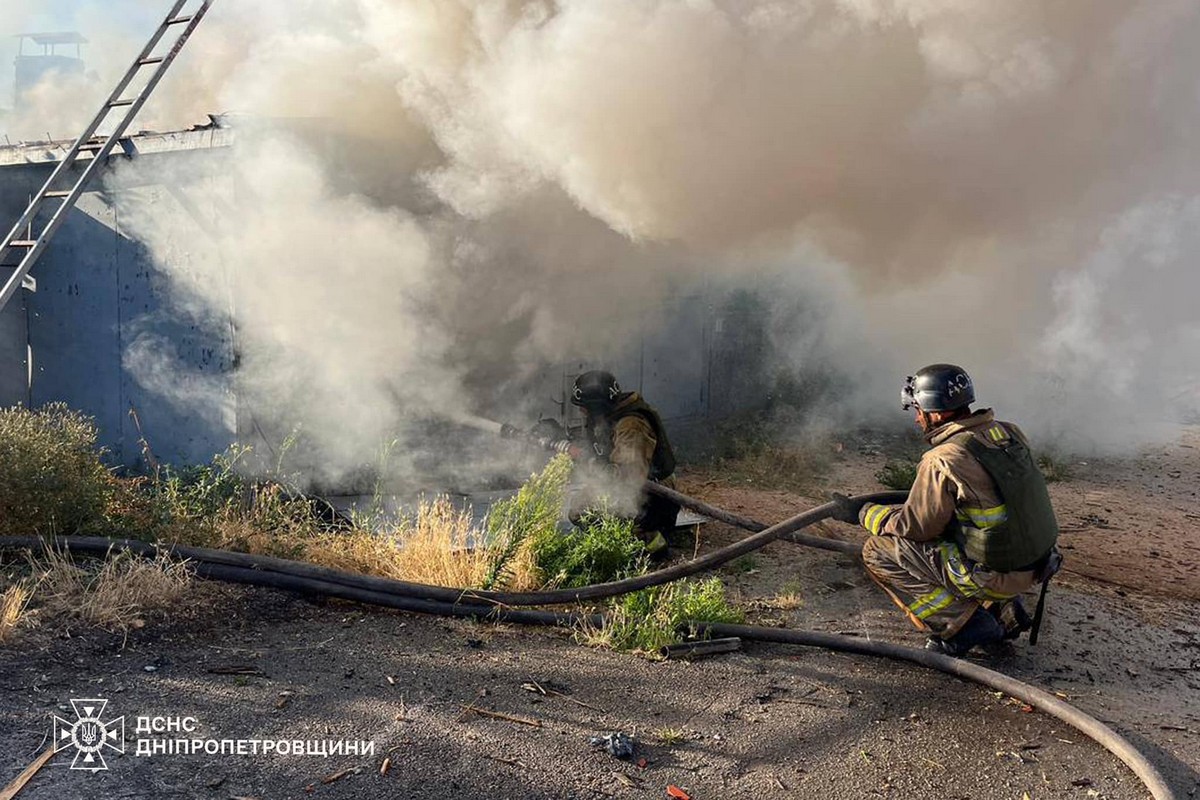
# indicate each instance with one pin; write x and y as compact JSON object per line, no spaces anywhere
{"x":595,"y":389}
{"x":938,"y":387}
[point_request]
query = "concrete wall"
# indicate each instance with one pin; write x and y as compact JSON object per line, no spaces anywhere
{"x":96,"y":291}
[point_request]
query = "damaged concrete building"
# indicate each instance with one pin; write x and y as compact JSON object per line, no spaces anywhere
{"x":97,"y":287}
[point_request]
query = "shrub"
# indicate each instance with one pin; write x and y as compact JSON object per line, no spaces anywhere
{"x":51,"y":477}
{"x":603,"y":548}
{"x":1054,"y":468}
{"x":898,"y":474}
{"x":532,"y":514}
{"x":649,"y":619}
{"x":204,"y":490}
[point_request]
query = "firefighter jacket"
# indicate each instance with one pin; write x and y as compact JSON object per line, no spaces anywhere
{"x":956,"y":496}
{"x":632,"y":438}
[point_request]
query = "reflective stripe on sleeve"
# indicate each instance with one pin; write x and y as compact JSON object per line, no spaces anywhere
{"x":873,"y":517}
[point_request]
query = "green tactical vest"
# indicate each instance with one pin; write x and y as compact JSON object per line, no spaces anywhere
{"x":1030,"y":530}
{"x":662,"y":463}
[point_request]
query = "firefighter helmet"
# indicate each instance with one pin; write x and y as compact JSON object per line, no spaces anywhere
{"x":595,"y":388}
{"x":938,"y":387}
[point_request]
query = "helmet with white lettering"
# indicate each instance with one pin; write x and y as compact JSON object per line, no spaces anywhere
{"x":596,"y":389}
{"x":938,"y":387}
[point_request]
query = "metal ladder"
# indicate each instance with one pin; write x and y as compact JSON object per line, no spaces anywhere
{"x":22,"y":239}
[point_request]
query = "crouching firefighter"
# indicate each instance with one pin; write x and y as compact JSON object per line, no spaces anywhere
{"x":977,"y":529}
{"x":625,"y":435}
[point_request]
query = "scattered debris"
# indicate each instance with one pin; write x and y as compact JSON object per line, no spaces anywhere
{"x":618,"y":744}
{"x":677,"y":793}
{"x":1082,"y":782}
{"x":386,"y":765}
{"x":236,"y":669}
{"x":537,"y":688}
{"x":1016,"y":756}
{"x":285,"y":697}
{"x":512,"y":762}
{"x":630,"y":782}
{"x":337,"y":776}
{"x":701,"y":648}
{"x":473,"y":709}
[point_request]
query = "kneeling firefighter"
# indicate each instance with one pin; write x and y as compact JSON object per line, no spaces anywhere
{"x":977,"y":530}
{"x":626,"y":435}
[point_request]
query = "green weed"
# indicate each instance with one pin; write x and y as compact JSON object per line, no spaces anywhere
{"x":531,"y":514}
{"x":898,"y":474}
{"x":603,"y":548}
{"x":670,"y":736}
{"x":649,"y":619}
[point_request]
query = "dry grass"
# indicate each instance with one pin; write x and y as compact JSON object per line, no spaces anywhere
{"x":523,"y":573}
{"x":13,"y":603}
{"x":785,"y":601}
{"x":789,"y":597}
{"x":438,"y":547}
{"x":116,"y":595}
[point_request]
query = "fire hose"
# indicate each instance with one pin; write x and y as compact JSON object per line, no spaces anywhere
{"x":100,"y":546}
{"x":652,"y":487}
{"x":490,"y":605}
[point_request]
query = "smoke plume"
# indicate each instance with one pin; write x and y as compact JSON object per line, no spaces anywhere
{"x":436,"y":199}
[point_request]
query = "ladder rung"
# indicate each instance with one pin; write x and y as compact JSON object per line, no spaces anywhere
{"x":23,"y":243}
{"x":118,"y":103}
{"x":179,"y":20}
{"x":146,"y":61}
{"x":90,"y":146}
{"x":58,"y":194}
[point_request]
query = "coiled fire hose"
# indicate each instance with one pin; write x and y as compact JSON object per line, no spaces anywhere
{"x":493,"y":605}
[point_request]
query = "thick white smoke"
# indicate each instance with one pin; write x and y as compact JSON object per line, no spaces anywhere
{"x":1012,"y":186}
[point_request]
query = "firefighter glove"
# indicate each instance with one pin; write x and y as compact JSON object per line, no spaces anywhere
{"x":845,"y":509}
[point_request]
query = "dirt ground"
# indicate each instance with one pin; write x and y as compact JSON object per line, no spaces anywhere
{"x":1122,"y":641}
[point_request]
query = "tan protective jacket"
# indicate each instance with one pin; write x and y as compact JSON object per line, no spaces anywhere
{"x":950,"y":484}
{"x":633,"y":445}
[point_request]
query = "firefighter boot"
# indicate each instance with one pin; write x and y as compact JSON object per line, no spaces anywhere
{"x":656,"y":547}
{"x":981,"y":629}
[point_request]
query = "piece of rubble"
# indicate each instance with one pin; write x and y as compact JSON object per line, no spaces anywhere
{"x":618,"y":744}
